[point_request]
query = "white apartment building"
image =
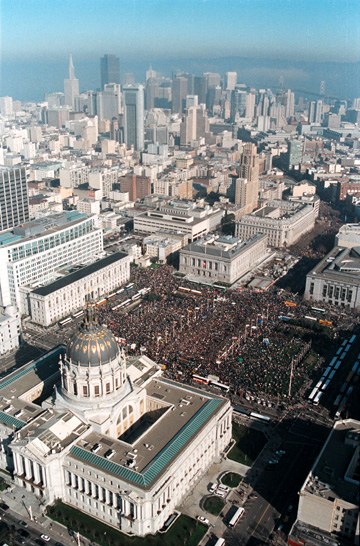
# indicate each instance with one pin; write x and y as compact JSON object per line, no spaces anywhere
{"x":33,"y":252}
{"x":73,"y":175}
{"x":10,"y":329}
{"x":52,"y":302}
{"x":103,"y":179}
{"x":284,"y":222}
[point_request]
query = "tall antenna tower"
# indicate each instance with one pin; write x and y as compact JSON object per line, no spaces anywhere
{"x":322,"y":87}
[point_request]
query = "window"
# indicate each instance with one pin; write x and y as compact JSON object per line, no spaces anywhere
{"x":97,"y":390}
{"x":85,"y":390}
{"x":107,"y":388}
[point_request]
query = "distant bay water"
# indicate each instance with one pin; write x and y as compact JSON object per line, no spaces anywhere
{"x":31,"y":80}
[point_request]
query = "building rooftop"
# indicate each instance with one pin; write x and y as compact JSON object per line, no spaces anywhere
{"x":79,"y":274}
{"x":139,"y":456}
{"x":220,"y":251}
{"x":15,"y":406}
{"x":341,"y":264}
{"x":335,"y":473}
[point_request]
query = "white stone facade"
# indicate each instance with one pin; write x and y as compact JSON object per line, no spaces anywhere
{"x":215,"y":263}
{"x":61,"y":298}
{"x":283,"y":222}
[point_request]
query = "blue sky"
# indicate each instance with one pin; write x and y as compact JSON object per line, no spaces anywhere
{"x":314,"y":30}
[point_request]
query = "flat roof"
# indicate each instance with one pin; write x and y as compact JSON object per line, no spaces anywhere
{"x":79,"y":274}
{"x":185,"y":411}
{"x":329,"y":474}
{"x":14,"y":410}
{"x":219,"y":252}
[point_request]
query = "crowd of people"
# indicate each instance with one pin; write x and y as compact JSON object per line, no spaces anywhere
{"x":234,"y":335}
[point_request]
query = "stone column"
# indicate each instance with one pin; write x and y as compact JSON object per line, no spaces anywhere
{"x":28,"y":471}
{"x":107,"y":496}
{"x":19,"y":461}
{"x":37,"y":478}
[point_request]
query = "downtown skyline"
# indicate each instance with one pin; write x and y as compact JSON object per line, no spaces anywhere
{"x":272,"y":38}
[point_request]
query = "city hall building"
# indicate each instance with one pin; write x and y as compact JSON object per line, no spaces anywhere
{"x":108,"y":434}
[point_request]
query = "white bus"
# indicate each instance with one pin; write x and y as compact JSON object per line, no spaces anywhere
{"x":238,"y":514}
{"x":317,"y":398}
{"x":220,"y":542}
{"x":65,"y":321}
{"x":220,"y":386}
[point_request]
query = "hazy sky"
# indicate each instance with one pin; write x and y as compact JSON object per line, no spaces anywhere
{"x":149,"y":29}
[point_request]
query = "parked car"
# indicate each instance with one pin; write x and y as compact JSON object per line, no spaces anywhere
{"x":203,"y":520}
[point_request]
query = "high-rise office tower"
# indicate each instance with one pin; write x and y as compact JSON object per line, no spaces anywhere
{"x":238,"y":103}
{"x":192,"y":100}
{"x":128,"y":78}
{"x":134,"y":116}
{"x":14,"y":199}
{"x":71,"y":86}
{"x":249,"y":171}
{"x":178,"y":93}
{"x":188,"y":126}
{"x":293,"y":155}
{"x":200,"y":88}
{"x":151,"y":74}
{"x":6,"y":106}
{"x":108,"y":101}
{"x":230,"y":80}
{"x":315,"y":113}
{"x":213,"y":79}
{"x":213,"y":97}
{"x":110,"y":69}
{"x":289,"y":103}
{"x":151,"y":92}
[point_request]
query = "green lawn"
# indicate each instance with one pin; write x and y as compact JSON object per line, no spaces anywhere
{"x":231,"y":479}
{"x":185,"y":530}
{"x":249,"y":443}
{"x":214,"y":505}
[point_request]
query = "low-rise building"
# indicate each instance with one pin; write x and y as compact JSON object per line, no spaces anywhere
{"x":348,"y":236}
{"x":161,"y":246}
{"x":224,"y":259}
{"x":195,"y":222}
{"x":284,"y":222}
{"x":52,"y":302}
{"x":336,"y":279}
{"x":329,"y":498}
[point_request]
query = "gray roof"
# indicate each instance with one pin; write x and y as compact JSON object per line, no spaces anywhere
{"x":78,"y":275}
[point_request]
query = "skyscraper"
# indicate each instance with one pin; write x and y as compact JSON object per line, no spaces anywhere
{"x":14,"y":199}
{"x":134,"y":116}
{"x":179,"y":92}
{"x":110,"y":69}
{"x":249,"y":174}
{"x":71,"y":86}
{"x":108,"y":101}
{"x":230,"y":80}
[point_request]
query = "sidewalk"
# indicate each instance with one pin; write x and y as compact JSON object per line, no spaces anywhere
{"x":25,"y":505}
